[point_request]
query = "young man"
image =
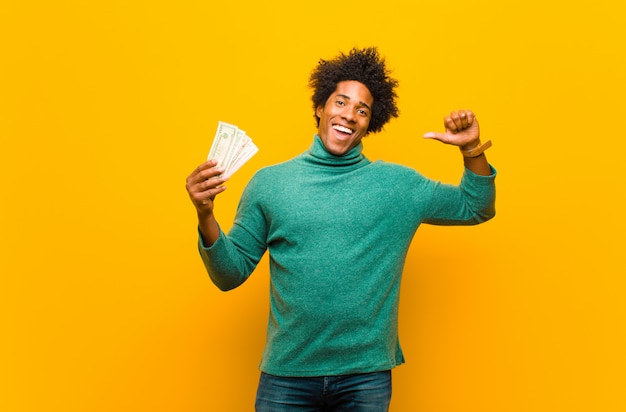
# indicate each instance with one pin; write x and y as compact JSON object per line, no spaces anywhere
{"x":337,"y":228}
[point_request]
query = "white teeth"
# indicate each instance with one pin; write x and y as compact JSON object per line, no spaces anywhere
{"x":342,"y":129}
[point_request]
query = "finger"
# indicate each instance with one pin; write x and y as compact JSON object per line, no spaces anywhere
{"x":204,"y":166}
{"x":459,"y":120}
{"x":197,"y":173}
{"x":205,"y":198}
{"x":206,"y":172}
{"x":205,"y":188}
{"x":470,"y":117}
{"x":450,"y":124}
{"x":210,"y":193}
{"x":198,"y":185}
{"x":211,"y":183}
{"x":462,"y":122}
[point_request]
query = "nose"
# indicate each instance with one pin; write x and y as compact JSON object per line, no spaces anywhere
{"x":349,"y":113}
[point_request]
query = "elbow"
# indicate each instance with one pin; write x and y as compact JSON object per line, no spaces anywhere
{"x":225,"y":288}
{"x":225,"y":284}
{"x":481,"y":215}
{"x":487,"y":209}
{"x":485,"y":215}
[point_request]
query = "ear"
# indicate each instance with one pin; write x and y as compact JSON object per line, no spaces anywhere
{"x":318,"y":111}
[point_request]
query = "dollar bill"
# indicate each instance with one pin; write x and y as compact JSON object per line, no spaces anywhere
{"x":223,"y":143}
{"x":245,"y":153}
{"x":231,"y":147}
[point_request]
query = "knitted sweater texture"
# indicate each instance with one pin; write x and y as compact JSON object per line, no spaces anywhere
{"x":338,"y":229}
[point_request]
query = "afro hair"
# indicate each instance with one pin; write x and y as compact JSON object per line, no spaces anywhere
{"x":365,"y":66}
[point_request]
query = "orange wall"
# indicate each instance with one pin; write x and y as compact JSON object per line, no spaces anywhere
{"x":106,"y":106}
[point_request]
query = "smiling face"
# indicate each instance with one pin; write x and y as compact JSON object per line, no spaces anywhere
{"x":345,"y":117}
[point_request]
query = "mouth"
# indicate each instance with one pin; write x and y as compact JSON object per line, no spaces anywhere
{"x":343,"y":129}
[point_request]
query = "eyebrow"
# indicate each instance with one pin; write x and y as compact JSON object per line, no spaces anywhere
{"x":348,"y":98}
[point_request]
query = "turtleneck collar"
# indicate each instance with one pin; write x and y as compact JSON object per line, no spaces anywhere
{"x":319,"y":155}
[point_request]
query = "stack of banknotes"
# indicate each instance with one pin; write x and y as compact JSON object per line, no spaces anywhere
{"x":231,"y":147}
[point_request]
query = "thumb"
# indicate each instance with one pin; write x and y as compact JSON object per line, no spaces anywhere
{"x":435,"y":135}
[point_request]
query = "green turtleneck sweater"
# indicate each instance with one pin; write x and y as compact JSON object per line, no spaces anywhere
{"x":337,"y":229}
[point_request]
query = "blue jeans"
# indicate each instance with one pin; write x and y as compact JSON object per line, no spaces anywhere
{"x":355,"y":393}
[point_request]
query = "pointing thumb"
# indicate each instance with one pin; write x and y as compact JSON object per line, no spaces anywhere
{"x":433,"y":135}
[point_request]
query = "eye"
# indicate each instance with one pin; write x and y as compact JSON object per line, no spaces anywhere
{"x":340,"y":103}
{"x":363,"y":112}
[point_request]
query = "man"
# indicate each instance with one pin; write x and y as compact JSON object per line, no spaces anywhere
{"x":337,"y":228}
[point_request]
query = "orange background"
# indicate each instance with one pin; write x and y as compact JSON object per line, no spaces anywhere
{"x":107,"y":106}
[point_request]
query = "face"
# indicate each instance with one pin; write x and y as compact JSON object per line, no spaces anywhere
{"x":345,"y":117}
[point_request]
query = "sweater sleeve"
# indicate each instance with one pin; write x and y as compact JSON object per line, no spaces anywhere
{"x":469,"y":203}
{"x":231,"y":259}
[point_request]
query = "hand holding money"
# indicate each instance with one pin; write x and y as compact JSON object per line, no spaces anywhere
{"x":231,"y":148}
{"x":203,"y":184}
